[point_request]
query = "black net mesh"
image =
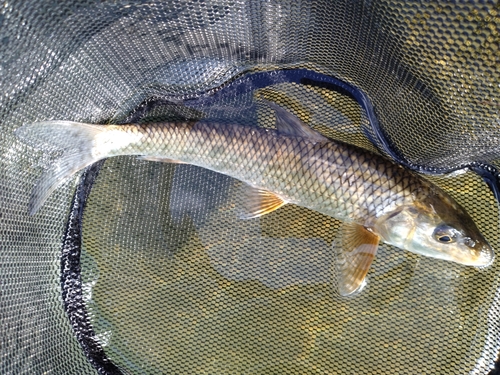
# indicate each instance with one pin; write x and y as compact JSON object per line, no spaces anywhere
{"x":157,"y":274}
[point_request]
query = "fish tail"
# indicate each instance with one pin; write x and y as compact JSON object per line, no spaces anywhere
{"x":76,"y":142}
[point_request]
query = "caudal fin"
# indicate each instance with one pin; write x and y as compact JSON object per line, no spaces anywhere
{"x":75,"y":140}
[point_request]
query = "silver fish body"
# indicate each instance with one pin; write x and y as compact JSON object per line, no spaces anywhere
{"x":377,"y":199}
{"x":334,"y":178}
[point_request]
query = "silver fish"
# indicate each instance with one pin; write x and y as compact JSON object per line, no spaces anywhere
{"x":376,"y":199}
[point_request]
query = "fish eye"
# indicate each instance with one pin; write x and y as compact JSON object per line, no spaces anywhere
{"x":444,"y":239}
{"x":445,"y":234}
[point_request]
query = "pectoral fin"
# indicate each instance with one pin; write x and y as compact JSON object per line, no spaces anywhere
{"x":257,"y":202}
{"x":162,"y":160}
{"x":354,"y":257}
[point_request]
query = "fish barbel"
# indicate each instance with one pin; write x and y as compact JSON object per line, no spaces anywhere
{"x":376,"y":199}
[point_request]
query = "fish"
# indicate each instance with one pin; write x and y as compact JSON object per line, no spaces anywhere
{"x":376,"y":199}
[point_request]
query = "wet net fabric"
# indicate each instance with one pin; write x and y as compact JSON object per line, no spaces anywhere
{"x":167,"y":278}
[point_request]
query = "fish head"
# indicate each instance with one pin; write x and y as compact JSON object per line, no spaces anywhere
{"x":436,"y":227}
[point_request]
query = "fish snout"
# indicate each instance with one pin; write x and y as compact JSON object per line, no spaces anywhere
{"x":485,"y":257}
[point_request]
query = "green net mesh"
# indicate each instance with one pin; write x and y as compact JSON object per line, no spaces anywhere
{"x":171,"y":280}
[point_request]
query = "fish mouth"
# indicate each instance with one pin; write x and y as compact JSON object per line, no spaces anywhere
{"x":485,"y":258}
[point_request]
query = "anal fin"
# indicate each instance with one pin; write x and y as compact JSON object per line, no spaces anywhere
{"x":355,"y":255}
{"x":257,"y":202}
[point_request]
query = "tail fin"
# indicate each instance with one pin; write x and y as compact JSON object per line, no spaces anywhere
{"x":74,"y":139}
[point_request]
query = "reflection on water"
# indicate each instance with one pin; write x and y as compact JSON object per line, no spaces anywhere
{"x":238,"y":249}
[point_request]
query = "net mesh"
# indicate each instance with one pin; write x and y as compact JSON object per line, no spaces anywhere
{"x":171,"y":280}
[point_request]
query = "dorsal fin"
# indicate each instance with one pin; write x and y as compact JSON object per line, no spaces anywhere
{"x":289,"y":124}
{"x":161,"y":159}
